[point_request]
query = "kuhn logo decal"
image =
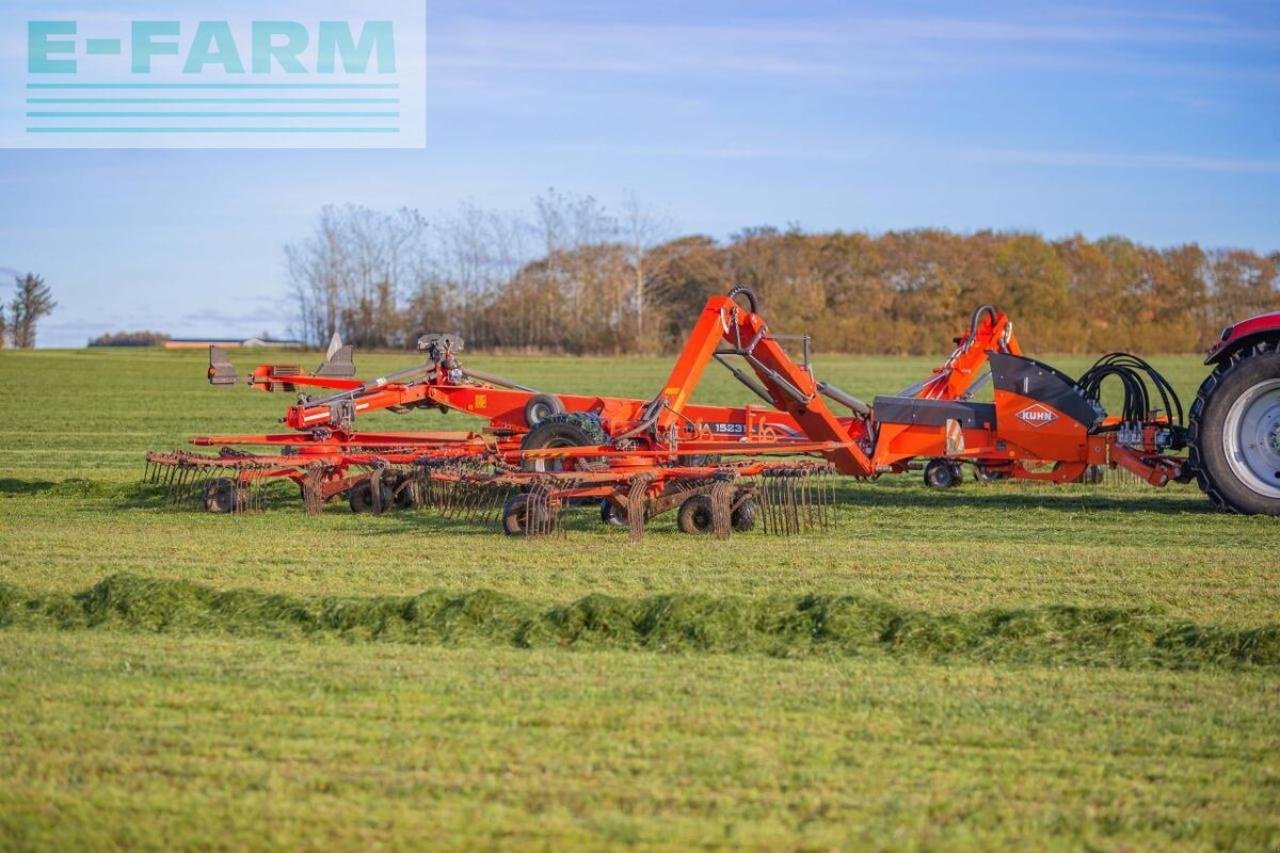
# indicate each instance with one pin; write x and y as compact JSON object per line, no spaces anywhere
{"x":1037,"y":415}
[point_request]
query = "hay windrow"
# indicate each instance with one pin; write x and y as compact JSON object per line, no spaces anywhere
{"x":779,"y":625}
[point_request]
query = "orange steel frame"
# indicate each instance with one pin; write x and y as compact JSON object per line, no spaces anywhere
{"x":798,"y":422}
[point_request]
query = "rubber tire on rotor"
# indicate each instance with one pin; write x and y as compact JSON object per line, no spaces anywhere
{"x":515,"y":515}
{"x":941,"y":474}
{"x":1205,"y":439}
{"x":744,"y":517}
{"x":402,"y":496}
{"x":360,"y":497}
{"x":611,"y":515}
{"x":987,"y":474}
{"x":221,"y":495}
{"x":694,"y":515}
{"x":540,"y":407}
{"x":572,"y":429}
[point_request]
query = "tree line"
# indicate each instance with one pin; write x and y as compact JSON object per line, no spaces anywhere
{"x":141,"y":338}
{"x":572,"y":276}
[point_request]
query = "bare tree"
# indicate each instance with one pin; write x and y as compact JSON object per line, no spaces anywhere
{"x":642,"y":231}
{"x":313,"y":279}
{"x":30,"y":304}
{"x":574,"y":276}
{"x":569,"y":223}
{"x":349,"y":275}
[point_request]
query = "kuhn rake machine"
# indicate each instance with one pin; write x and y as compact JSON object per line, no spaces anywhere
{"x":725,"y":468}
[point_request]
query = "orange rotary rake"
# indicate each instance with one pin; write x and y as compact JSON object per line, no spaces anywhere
{"x":767,"y":465}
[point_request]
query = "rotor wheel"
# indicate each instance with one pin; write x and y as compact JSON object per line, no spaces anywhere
{"x":612,"y":515}
{"x":520,"y":516}
{"x":222,"y":495}
{"x":1234,"y":435}
{"x":942,"y":474}
{"x":360,"y":497}
{"x":694,"y":515}
{"x":402,"y":491}
{"x":743,"y":518}
{"x":989,"y":474}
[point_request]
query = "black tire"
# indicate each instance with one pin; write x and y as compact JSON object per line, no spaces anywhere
{"x":540,"y":407}
{"x":694,"y":515}
{"x":611,"y":515}
{"x":516,"y":516}
{"x":564,"y":430}
{"x":744,"y":517}
{"x":402,"y":491}
{"x":360,"y":497}
{"x":221,"y":495}
{"x":941,"y":474}
{"x":989,"y":474}
{"x":1244,"y":479}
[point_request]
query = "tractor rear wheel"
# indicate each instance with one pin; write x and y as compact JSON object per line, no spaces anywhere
{"x":1234,"y":436}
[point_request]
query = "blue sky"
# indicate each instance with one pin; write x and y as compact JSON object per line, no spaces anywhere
{"x":1159,"y":121}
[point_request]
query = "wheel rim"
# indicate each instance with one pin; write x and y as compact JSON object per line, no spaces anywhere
{"x":1251,"y":438}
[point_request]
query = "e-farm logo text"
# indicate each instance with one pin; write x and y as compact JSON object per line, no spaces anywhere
{"x":287,"y":74}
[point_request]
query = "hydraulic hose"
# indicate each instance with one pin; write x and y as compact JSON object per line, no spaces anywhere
{"x":752,"y":299}
{"x":494,"y":379}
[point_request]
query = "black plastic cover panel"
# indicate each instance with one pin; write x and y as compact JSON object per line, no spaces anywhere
{"x":911,"y":410}
{"x":1034,"y":379}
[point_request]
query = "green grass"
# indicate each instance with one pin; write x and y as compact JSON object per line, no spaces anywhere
{"x":997,"y":664}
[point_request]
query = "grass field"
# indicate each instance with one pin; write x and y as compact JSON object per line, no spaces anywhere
{"x":996,"y":664}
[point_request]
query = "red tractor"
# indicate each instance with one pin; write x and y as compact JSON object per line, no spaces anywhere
{"x":1234,"y":435}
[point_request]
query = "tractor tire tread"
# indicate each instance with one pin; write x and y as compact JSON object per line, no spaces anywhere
{"x":1195,"y":432}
